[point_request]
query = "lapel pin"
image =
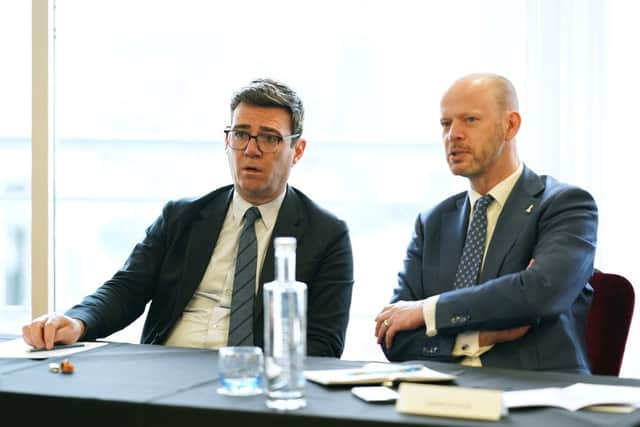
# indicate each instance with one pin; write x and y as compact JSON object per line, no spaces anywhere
{"x":528,"y":210}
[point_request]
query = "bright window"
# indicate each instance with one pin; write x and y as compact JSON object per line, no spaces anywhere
{"x":15,"y":165}
{"x":141,"y":98}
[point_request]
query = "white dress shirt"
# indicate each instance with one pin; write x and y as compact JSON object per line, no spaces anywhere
{"x":467,"y":343}
{"x":205,"y":320}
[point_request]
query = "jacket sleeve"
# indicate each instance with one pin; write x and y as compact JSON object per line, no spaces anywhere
{"x":415,"y":344}
{"x":562,"y":242}
{"x":560,"y":235}
{"x":329,"y":294}
{"x":123,"y":298}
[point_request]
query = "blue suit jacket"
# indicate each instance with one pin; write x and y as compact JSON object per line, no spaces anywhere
{"x":543,"y":219}
{"x":167,"y":267}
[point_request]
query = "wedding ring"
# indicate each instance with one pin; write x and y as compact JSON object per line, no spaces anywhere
{"x":386,"y":323}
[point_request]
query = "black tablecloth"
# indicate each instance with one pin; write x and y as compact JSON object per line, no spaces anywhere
{"x":146,"y":385}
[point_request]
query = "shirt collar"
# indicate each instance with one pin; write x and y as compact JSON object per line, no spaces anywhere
{"x":268,"y":211}
{"x":500,"y":192}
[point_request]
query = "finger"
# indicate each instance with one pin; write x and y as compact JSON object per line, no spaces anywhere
{"x":26,"y":334}
{"x":379,"y":324}
{"x":388,"y":337}
{"x":383,"y":325}
{"x":66,"y":334}
{"x":379,"y":329}
{"x":35,"y":330}
{"x":51,"y":327}
{"x":384,"y":314}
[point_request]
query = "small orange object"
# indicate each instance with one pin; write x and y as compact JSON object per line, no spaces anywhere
{"x":66,"y":367}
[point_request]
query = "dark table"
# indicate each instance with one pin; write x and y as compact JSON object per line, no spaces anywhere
{"x":147,"y":385}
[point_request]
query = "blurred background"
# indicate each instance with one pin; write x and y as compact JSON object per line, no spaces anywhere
{"x":141,"y":93}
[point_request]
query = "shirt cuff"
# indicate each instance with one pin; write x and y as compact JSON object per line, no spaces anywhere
{"x":429,"y":312}
{"x":468,"y":344}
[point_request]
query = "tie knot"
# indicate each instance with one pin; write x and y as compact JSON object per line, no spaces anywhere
{"x":251,"y":215}
{"x":483,"y":202}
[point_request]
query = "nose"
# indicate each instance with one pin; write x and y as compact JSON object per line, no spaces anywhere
{"x":252,"y":148}
{"x":454,"y":132}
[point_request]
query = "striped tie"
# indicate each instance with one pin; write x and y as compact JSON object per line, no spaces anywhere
{"x":469,"y":266}
{"x":244,"y":283}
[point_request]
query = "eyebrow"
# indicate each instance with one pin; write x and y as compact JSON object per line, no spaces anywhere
{"x":268,"y":129}
{"x":261,"y":128}
{"x":462,"y":114}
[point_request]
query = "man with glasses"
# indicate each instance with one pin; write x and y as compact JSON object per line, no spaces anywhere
{"x":189,"y":263}
{"x":497,"y":275}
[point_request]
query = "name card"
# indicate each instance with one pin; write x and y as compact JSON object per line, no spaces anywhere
{"x":450,"y":401}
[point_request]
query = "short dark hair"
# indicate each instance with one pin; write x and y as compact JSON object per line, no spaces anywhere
{"x":271,"y":93}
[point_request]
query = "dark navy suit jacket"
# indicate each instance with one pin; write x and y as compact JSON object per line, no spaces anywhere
{"x":168,"y":265}
{"x":543,"y":219}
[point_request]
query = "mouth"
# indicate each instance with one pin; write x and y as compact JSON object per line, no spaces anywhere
{"x":251,"y":169}
{"x":456,"y":153}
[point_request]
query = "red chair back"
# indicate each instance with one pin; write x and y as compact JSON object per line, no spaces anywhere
{"x":609,"y":321}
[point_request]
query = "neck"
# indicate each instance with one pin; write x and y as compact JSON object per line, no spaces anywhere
{"x":256,"y":200}
{"x":485,"y":182}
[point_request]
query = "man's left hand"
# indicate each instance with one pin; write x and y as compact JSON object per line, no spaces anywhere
{"x":400,"y":316}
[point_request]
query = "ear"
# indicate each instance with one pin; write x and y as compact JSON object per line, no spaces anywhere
{"x":512,"y":123}
{"x":225,"y":142}
{"x":298,"y":150}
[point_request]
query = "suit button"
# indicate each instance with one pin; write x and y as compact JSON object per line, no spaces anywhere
{"x":455,"y":319}
{"x":465,"y":347}
{"x":430,"y":350}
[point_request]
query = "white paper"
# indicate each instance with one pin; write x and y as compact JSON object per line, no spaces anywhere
{"x":375,"y":393}
{"x":574,"y":397}
{"x":19,"y":349}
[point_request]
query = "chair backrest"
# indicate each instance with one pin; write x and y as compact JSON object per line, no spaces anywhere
{"x":609,"y":321}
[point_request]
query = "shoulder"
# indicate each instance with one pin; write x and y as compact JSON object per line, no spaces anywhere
{"x":309,"y":211}
{"x":450,"y":205}
{"x":553,"y":187}
{"x":188,"y":209}
{"x":550,"y":189}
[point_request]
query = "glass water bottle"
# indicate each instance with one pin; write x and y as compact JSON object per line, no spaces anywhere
{"x":285,"y":331}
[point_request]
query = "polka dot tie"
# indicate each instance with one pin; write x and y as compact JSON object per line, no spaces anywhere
{"x":469,"y":266}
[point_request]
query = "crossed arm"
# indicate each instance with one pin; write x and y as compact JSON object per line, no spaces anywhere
{"x":558,"y":245}
{"x":408,"y":315}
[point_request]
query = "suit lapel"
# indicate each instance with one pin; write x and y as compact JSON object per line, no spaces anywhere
{"x":515,"y":214}
{"x":202,"y":240}
{"x":288,"y":224}
{"x":454,"y":230}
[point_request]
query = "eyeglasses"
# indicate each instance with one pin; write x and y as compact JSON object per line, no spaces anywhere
{"x":267,"y":142}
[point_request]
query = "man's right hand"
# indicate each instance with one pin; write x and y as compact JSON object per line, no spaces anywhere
{"x":47,"y":330}
{"x":494,"y":337}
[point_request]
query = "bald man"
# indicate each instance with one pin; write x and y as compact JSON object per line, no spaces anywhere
{"x":497,"y":275}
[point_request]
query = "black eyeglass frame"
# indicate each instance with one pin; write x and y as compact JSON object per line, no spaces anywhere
{"x":257,"y":137}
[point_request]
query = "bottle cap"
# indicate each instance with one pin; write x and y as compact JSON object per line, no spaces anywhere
{"x":285,"y":241}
